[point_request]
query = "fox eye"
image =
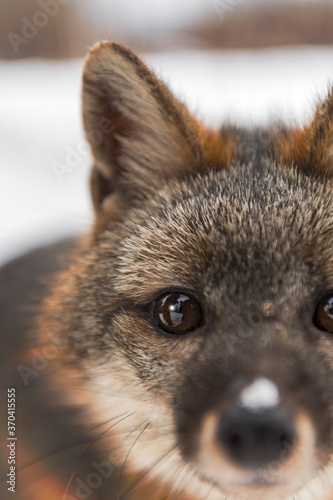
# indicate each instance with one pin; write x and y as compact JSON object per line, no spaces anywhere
{"x":323,"y":317}
{"x":177,"y":312}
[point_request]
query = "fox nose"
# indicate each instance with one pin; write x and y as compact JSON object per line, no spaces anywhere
{"x":254,"y":439}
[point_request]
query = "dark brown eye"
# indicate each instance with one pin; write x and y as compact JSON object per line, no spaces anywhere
{"x":323,"y":317}
{"x":177,"y":312}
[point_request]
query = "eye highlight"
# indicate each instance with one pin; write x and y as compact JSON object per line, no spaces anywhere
{"x":177,"y":312}
{"x":323,"y":317}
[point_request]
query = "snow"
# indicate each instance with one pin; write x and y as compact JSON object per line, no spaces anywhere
{"x":40,"y":124}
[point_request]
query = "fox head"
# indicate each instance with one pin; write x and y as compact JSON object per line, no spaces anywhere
{"x":201,"y":305}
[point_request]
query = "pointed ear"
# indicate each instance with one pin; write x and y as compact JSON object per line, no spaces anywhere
{"x":320,"y":138}
{"x":140,"y":135}
{"x":311,"y":148}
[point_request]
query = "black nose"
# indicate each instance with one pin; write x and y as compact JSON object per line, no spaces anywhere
{"x":255,"y":439}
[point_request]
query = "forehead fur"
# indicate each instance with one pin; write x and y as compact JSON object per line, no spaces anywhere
{"x":248,"y":219}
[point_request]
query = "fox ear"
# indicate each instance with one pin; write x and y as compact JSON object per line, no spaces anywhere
{"x":318,"y":139}
{"x":311,"y":148}
{"x":140,"y":135}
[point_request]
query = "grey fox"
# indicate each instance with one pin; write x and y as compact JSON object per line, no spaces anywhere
{"x":195,"y":321}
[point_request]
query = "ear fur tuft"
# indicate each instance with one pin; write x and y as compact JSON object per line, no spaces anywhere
{"x":311,"y":148}
{"x":320,"y":137}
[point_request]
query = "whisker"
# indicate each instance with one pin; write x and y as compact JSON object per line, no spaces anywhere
{"x":136,"y":440}
{"x":152,"y":438}
{"x":146,"y":472}
{"x":87,"y":450}
{"x":53,"y":454}
{"x":129,"y":433}
{"x":121,"y":446}
{"x":107,"y":421}
{"x":90,"y":441}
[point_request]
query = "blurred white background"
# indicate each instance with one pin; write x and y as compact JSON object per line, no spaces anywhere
{"x":226,"y":59}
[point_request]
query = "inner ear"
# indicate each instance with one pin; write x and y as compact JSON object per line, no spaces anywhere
{"x":104,"y":134}
{"x":101,"y":186}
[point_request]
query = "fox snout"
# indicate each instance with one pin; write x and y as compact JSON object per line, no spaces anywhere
{"x":255,"y":443}
{"x":256,"y":453}
{"x":257,"y":430}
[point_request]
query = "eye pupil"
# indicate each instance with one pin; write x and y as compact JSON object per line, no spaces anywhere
{"x":323,"y":318}
{"x":177,"y":312}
